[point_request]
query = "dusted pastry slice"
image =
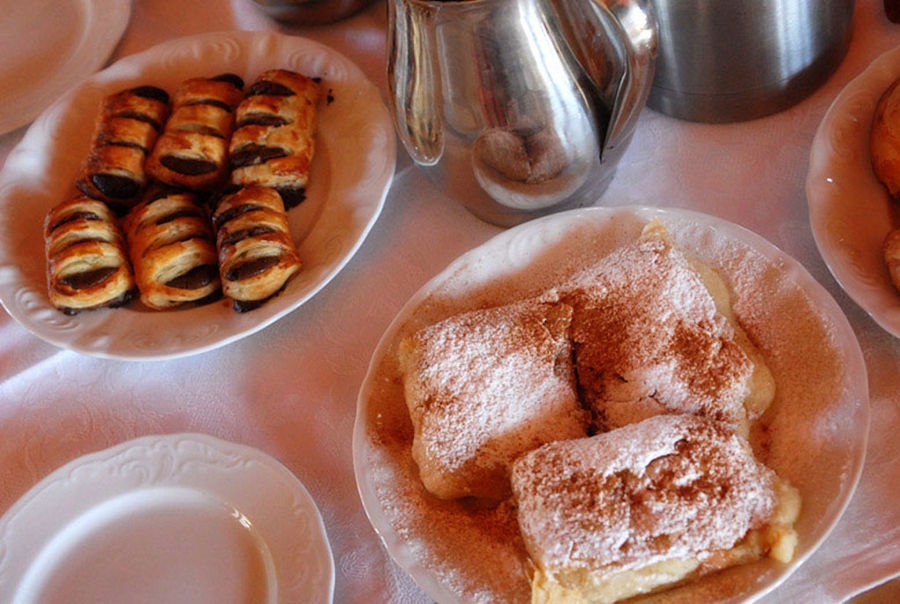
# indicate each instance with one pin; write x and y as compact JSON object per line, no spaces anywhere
{"x":126,"y":130}
{"x":484,"y":387}
{"x":87,"y":263}
{"x":274,"y":141}
{"x":173,"y":250}
{"x":655,"y":333}
{"x":257,"y":255}
{"x":647,"y":506}
{"x":192,"y":152}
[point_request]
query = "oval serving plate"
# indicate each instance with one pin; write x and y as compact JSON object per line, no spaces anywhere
{"x":850,"y":212}
{"x":350,"y":176}
{"x":818,"y":423}
{"x":175,"y":518}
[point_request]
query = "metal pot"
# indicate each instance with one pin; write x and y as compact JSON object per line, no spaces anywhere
{"x":733,"y":60}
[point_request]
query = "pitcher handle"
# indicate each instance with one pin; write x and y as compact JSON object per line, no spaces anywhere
{"x":414,"y":79}
{"x":637,"y":21}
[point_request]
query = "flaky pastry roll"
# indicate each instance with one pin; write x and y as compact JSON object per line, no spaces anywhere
{"x":173,"y":250}
{"x":257,"y":255}
{"x":274,"y":141}
{"x":125,"y":132}
{"x":192,"y":152}
{"x":87,"y":262}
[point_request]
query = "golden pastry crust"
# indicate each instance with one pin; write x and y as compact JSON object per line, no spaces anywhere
{"x":274,"y":142}
{"x":192,"y":152}
{"x":257,"y":255}
{"x":891,"y":253}
{"x":87,"y":262}
{"x":884,"y":139}
{"x":125,"y":133}
{"x":173,"y":250}
{"x":484,"y":387}
{"x":647,"y":506}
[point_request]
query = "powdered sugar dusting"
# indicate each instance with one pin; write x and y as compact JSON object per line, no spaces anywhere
{"x":670,"y":486}
{"x":813,"y":434}
{"x":649,"y":338}
{"x":486,"y":386}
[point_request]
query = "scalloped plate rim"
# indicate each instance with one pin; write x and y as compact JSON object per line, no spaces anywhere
{"x":206,"y":472}
{"x":356,"y":206}
{"x":108,"y":29}
{"x":828,"y":172}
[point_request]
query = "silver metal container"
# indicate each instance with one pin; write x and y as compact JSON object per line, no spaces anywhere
{"x":519,"y":108}
{"x":310,"y":12}
{"x":733,"y":60}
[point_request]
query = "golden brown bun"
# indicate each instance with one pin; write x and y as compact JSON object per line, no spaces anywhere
{"x":884,"y":143}
{"x":257,"y":255}
{"x":87,"y":263}
{"x":192,"y":152}
{"x":274,"y":141}
{"x":484,"y":387}
{"x":173,"y":250}
{"x":646,"y":506}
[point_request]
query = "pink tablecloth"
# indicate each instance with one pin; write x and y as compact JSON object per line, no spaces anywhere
{"x":270,"y":389}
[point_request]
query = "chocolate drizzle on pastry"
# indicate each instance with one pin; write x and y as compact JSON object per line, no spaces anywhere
{"x":125,"y":133}
{"x":87,"y":263}
{"x":274,"y":140}
{"x":257,"y":255}
{"x":160,"y":165}
{"x":192,"y":152}
{"x":173,"y":250}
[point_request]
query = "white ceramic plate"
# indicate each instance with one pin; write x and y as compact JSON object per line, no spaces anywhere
{"x":850,"y":212}
{"x":50,"y":46}
{"x":818,"y":423}
{"x":177,"y":518}
{"x":350,"y":176}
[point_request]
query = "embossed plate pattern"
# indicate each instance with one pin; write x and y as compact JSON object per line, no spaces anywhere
{"x":176,"y":518}
{"x":351,"y":172}
{"x":50,"y":46}
{"x":817,"y":426}
{"x":850,"y":212}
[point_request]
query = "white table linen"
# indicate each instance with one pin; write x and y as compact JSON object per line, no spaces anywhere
{"x":290,"y":390}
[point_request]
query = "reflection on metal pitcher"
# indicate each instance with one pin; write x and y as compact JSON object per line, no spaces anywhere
{"x":519,"y":107}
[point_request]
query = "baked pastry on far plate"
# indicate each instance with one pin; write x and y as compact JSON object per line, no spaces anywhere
{"x":192,"y":152}
{"x":274,"y":139}
{"x":648,"y":506}
{"x":173,"y":250}
{"x":257,"y":254}
{"x":87,"y":259}
{"x":124,"y":135}
{"x":884,"y":139}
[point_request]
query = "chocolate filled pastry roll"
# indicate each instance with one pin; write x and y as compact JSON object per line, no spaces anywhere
{"x":87,"y":261}
{"x":173,"y":250}
{"x":125,"y":132}
{"x":192,"y":152}
{"x":274,"y":140}
{"x":257,"y":255}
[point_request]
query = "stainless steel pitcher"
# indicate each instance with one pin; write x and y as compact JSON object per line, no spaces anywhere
{"x":518,"y":108}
